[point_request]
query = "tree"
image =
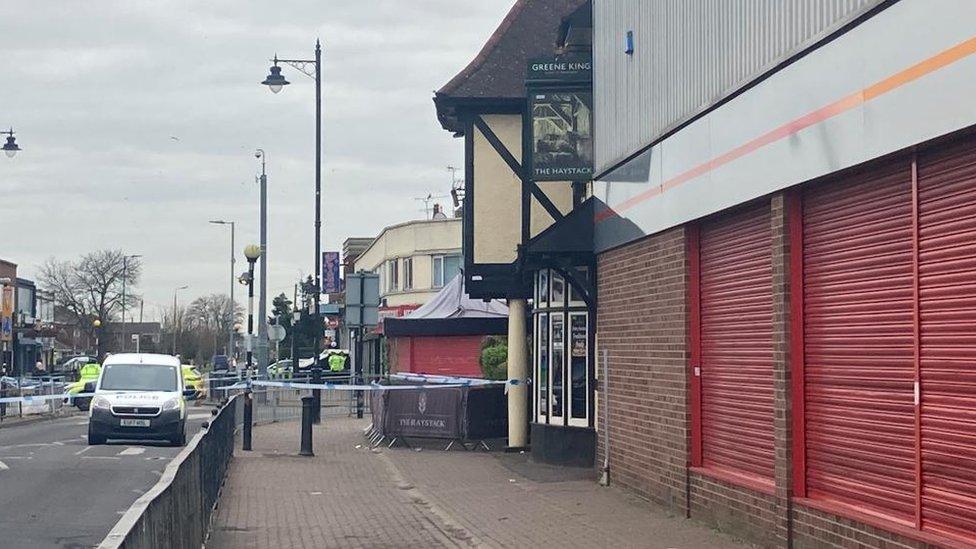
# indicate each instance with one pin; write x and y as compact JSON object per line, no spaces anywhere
{"x":494,"y":358}
{"x":202,"y":327}
{"x":90,"y":288}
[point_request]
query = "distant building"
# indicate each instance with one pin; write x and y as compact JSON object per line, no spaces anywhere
{"x":352,"y":248}
{"x":414,"y":260}
{"x":123,"y":337}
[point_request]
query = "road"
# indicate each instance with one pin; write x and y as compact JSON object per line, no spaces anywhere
{"x":57,"y":491}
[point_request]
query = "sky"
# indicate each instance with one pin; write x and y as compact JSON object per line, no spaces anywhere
{"x":138,"y":122}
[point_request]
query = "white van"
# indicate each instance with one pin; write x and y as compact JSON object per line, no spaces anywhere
{"x":138,"y":396}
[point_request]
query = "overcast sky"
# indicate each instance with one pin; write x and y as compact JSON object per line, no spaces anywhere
{"x":138,"y":122}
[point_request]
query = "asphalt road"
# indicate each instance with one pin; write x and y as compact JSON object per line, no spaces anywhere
{"x":57,"y":491}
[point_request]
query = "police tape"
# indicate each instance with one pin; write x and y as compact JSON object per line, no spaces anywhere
{"x":30,"y":399}
{"x":370,"y":387}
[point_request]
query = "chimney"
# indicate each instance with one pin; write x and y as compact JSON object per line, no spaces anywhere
{"x":438,"y":214}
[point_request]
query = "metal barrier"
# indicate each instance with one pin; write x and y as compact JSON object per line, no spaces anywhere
{"x":31,"y":396}
{"x":272,"y":404}
{"x":176,"y":512}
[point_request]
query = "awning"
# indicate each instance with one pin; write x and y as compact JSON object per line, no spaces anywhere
{"x":451,"y":312}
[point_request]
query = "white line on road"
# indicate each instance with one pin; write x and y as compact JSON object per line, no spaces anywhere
{"x":3,"y":466}
{"x":132,"y":451}
{"x":83,"y":450}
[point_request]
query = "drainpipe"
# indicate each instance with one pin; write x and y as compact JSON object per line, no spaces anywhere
{"x":605,"y":397}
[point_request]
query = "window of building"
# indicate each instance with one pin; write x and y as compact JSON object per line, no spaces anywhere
{"x":392,"y":275}
{"x":445,"y":268}
{"x":562,"y":361}
{"x":407,"y":273}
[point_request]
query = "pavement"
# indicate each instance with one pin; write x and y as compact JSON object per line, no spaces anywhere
{"x":57,"y":491}
{"x":351,"y":496}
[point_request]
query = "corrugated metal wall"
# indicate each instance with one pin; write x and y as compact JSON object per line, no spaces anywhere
{"x":688,"y":54}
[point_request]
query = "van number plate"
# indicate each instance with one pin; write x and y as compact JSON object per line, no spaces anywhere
{"x":135,"y":423}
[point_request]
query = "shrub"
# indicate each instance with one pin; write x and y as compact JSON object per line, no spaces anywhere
{"x":494,"y":362}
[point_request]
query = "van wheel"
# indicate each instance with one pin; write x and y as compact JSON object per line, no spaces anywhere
{"x":180,"y":439}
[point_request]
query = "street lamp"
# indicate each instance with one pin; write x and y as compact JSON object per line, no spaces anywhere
{"x":125,"y":267}
{"x":175,"y":322}
{"x":97,"y":324}
{"x":275,"y":81}
{"x":252,"y":252}
{"x":233,"y":259}
{"x":10,"y":148}
{"x":262,"y":342}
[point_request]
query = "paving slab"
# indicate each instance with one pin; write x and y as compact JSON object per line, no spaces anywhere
{"x":349,"y":495}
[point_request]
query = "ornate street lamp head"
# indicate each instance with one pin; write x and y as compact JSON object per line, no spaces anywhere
{"x":252,"y":252}
{"x":275,"y":81}
{"x":10,"y":148}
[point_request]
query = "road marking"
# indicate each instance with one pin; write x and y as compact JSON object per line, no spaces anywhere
{"x":132,"y":451}
{"x":83,"y":450}
{"x":3,"y":466}
{"x":100,"y":457}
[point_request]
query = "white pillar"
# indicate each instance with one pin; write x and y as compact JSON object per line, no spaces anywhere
{"x":518,"y":369}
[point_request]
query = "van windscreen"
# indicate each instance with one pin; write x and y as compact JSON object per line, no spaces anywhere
{"x":138,"y":377}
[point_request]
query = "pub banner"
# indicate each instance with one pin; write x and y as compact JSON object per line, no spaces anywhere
{"x":429,"y":413}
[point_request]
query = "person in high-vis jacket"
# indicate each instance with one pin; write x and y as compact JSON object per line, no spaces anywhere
{"x":337,"y":362}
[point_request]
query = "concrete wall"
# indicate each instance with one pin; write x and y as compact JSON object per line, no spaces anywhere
{"x":420,"y":240}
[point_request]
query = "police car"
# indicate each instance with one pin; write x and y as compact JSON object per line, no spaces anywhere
{"x":138,"y":396}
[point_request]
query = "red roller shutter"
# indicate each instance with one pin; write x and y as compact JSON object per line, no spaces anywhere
{"x":859,"y":342}
{"x":446,"y":355}
{"x":736,"y":343}
{"x":947,"y":303}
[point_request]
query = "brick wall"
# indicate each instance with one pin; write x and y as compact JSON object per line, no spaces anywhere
{"x":741,"y":512}
{"x":641,"y":323}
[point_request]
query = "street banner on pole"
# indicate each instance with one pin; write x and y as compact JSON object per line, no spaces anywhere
{"x":330,"y":273}
{"x":6,"y":314}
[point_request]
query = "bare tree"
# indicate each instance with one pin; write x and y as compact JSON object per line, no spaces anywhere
{"x":200,"y":328}
{"x":90,"y":288}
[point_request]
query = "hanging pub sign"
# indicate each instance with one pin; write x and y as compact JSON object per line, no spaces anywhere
{"x":561,"y":107}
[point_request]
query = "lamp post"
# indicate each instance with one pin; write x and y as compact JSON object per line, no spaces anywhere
{"x":252,"y":252}
{"x":125,"y":273}
{"x":233,"y":260}
{"x":97,"y":324}
{"x":10,"y":148}
{"x":262,"y":342}
{"x":175,"y":323}
{"x":275,"y":82}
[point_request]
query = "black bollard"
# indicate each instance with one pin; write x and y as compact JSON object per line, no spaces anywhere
{"x":308,"y":407}
{"x":248,"y":419}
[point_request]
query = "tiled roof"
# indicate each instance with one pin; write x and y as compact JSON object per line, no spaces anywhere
{"x":530,"y":29}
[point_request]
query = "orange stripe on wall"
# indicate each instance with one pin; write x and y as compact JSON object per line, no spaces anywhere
{"x":923,"y":68}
